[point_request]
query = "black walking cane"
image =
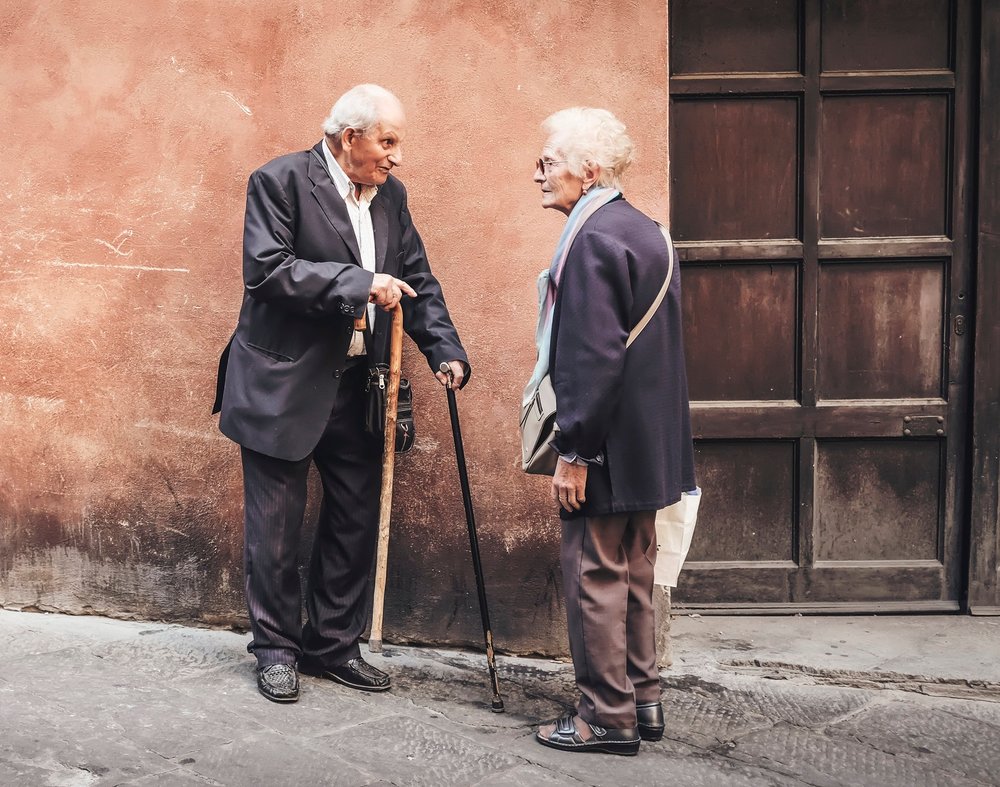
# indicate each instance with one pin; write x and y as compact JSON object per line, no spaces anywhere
{"x":470,"y":518}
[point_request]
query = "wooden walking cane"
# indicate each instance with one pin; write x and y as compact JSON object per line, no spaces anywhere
{"x":388,"y":462}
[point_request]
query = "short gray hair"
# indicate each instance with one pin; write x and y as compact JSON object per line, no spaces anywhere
{"x":359,"y":108}
{"x":585,"y":135}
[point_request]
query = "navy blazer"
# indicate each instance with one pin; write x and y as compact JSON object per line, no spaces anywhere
{"x":630,"y":405}
{"x":303,"y":288}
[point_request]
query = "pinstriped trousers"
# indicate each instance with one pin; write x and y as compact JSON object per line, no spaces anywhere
{"x":349,"y":462}
{"x":607,"y":564}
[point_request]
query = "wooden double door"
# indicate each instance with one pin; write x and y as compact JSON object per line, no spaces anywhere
{"x":820,"y":201}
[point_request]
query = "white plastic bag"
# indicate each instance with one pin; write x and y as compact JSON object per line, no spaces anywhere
{"x":674,"y":529}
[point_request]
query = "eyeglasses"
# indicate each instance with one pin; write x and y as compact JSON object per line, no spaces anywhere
{"x":544,"y":164}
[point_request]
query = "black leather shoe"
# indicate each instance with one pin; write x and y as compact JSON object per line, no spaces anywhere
{"x":650,"y":718}
{"x":278,"y":682}
{"x":356,"y":674}
{"x":565,"y":737}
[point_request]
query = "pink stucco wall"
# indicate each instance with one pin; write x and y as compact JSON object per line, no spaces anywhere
{"x":129,"y":130}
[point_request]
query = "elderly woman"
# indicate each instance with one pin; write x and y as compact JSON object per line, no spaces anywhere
{"x":624,"y":430}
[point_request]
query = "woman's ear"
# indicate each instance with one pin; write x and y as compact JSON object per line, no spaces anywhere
{"x":591,"y":172}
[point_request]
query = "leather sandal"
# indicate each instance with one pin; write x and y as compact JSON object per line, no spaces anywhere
{"x":566,"y":737}
{"x":650,"y":720}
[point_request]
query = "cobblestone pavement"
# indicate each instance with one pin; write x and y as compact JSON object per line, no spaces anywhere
{"x":92,"y":701}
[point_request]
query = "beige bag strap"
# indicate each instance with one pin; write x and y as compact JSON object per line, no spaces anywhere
{"x":663,"y":290}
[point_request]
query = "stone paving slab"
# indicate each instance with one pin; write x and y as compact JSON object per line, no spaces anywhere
{"x":25,"y":633}
{"x":420,"y":753}
{"x":958,"y":647}
{"x":664,"y":763}
{"x":65,"y":754}
{"x":535,"y":775}
{"x":785,"y":701}
{"x":322,"y":707}
{"x":987,"y":712}
{"x":174,"y":777}
{"x":943,"y":740}
{"x":705,"y":771}
{"x":94,"y":702}
{"x":177,"y":653}
{"x":267,"y":758}
{"x":532,"y":689}
{"x":706,"y":722}
{"x":823,"y":761}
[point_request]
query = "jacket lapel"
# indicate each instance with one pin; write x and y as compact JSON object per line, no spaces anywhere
{"x":330,"y":201}
{"x":380,"y":224}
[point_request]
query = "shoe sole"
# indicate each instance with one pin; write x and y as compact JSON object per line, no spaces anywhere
{"x":651,"y":734}
{"x":624,"y":749}
{"x":273,"y":698}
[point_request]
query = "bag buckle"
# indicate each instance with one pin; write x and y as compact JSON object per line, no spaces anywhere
{"x":375,"y":373}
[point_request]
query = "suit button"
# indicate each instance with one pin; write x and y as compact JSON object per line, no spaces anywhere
{"x":336,"y":372}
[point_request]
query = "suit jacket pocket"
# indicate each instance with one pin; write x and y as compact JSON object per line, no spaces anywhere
{"x":272,"y":354}
{"x":279,"y":335}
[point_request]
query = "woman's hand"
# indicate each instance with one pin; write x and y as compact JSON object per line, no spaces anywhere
{"x":569,"y":485}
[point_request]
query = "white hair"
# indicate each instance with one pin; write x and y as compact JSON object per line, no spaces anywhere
{"x":585,"y":135}
{"x":359,"y":108}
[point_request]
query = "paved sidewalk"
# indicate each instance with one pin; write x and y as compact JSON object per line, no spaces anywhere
{"x":749,"y":701}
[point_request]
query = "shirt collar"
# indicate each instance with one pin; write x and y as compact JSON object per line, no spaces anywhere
{"x":344,"y":186}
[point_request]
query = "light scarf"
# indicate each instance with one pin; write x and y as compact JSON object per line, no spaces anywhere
{"x":548,"y":279}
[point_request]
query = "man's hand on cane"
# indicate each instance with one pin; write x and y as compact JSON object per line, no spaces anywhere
{"x":451,"y":375}
{"x":387,"y":291}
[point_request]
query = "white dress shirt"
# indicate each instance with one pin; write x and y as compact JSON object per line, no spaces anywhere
{"x":359,"y":209}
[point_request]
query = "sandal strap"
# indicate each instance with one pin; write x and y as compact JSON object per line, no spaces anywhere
{"x":566,"y":726}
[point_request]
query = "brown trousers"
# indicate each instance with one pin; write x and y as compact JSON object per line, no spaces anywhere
{"x":607,"y":565}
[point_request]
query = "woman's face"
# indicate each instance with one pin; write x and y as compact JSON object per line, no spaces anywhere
{"x":560,"y":188}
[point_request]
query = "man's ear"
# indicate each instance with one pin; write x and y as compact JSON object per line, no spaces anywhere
{"x":347,"y":137}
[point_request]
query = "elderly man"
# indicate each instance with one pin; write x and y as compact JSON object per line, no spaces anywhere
{"x":327,"y":238}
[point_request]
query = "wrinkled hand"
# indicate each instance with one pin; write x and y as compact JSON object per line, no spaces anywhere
{"x":569,"y":485}
{"x":457,"y":375}
{"x":387,"y":291}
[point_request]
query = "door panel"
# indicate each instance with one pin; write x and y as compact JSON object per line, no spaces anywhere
{"x":756,"y":521}
{"x":879,"y":330}
{"x":725,"y":37}
{"x":898,"y":479}
{"x":755,"y":142}
{"x":819,"y":171}
{"x":883,"y":165}
{"x":885,"y":35}
{"x":756,"y":305}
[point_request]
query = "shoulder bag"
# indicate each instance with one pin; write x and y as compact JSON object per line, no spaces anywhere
{"x":538,"y":415}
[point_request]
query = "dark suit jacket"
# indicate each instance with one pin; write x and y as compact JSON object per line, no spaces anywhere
{"x":304,"y":285}
{"x":631,"y":405}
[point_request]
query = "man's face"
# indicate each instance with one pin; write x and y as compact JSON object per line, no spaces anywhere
{"x":370,"y":156}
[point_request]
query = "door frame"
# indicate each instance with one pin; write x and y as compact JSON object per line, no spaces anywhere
{"x":978,"y":506}
{"x":983,"y":588}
